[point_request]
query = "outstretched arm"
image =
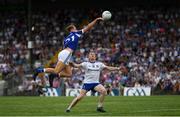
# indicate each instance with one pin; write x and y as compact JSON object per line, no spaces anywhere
{"x":112,"y":68}
{"x":90,"y":25}
{"x":75,"y":65}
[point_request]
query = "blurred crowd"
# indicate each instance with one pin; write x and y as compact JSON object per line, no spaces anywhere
{"x":145,"y":41}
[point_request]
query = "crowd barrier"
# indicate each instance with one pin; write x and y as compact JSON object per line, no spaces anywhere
{"x":137,"y":91}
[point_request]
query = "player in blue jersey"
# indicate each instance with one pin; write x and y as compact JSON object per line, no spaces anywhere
{"x":70,"y":45}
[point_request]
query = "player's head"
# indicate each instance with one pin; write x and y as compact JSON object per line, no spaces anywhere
{"x":92,"y":56}
{"x":71,"y":28}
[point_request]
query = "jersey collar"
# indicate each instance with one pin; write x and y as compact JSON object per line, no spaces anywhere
{"x":92,"y":61}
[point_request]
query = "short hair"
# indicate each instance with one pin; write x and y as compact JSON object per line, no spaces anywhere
{"x":69,"y":27}
{"x":91,"y":51}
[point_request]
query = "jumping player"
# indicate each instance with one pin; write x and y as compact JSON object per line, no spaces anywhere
{"x":70,"y":44}
{"x":92,"y":69}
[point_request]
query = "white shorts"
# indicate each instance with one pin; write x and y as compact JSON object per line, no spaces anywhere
{"x":64,"y":56}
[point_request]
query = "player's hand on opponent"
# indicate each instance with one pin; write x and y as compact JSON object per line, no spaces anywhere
{"x":71,"y":63}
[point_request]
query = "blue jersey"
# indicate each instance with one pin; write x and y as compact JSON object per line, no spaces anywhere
{"x":72,"y":39}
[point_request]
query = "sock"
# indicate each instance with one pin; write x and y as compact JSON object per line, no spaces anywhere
{"x":100,"y":104}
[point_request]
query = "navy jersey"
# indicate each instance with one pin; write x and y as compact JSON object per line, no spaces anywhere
{"x":72,"y":39}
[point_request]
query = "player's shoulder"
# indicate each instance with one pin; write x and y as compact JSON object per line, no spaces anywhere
{"x":79,"y":32}
{"x":99,"y":62}
{"x":84,"y":62}
{"x":69,"y":35}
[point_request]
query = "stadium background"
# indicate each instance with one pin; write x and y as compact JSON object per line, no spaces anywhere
{"x":143,"y":36}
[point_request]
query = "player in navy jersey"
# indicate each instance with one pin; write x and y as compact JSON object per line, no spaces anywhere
{"x":70,"y":45}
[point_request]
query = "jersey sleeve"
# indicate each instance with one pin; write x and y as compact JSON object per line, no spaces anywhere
{"x":83,"y":64}
{"x":79,"y":33}
{"x":103,"y":66}
{"x":82,"y":31}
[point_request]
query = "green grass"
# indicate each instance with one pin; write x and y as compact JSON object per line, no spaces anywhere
{"x":115,"y":106}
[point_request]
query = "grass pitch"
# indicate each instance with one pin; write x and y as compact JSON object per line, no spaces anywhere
{"x":115,"y":106}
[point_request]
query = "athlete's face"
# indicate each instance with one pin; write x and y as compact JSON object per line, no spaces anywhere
{"x":92,"y":57}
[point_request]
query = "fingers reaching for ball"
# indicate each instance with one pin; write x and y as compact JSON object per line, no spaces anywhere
{"x":99,"y":18}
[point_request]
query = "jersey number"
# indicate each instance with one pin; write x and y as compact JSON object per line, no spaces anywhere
{"x":70,"y":39}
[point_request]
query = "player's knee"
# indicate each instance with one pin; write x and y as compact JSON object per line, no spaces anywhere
{"x":56,"y":71}
{"x":80,"y":97}
{"x":104,"y":92}
{"x":70,"y":74}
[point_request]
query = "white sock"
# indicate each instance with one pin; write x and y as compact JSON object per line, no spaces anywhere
{"x":100,"y":104}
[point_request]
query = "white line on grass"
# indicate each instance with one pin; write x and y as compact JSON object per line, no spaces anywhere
{"x":158,"y":110}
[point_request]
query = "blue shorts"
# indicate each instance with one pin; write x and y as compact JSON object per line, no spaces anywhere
{"x":89,"y":86}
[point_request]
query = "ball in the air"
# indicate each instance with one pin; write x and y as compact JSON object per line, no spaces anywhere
{"x":106,"y":15}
